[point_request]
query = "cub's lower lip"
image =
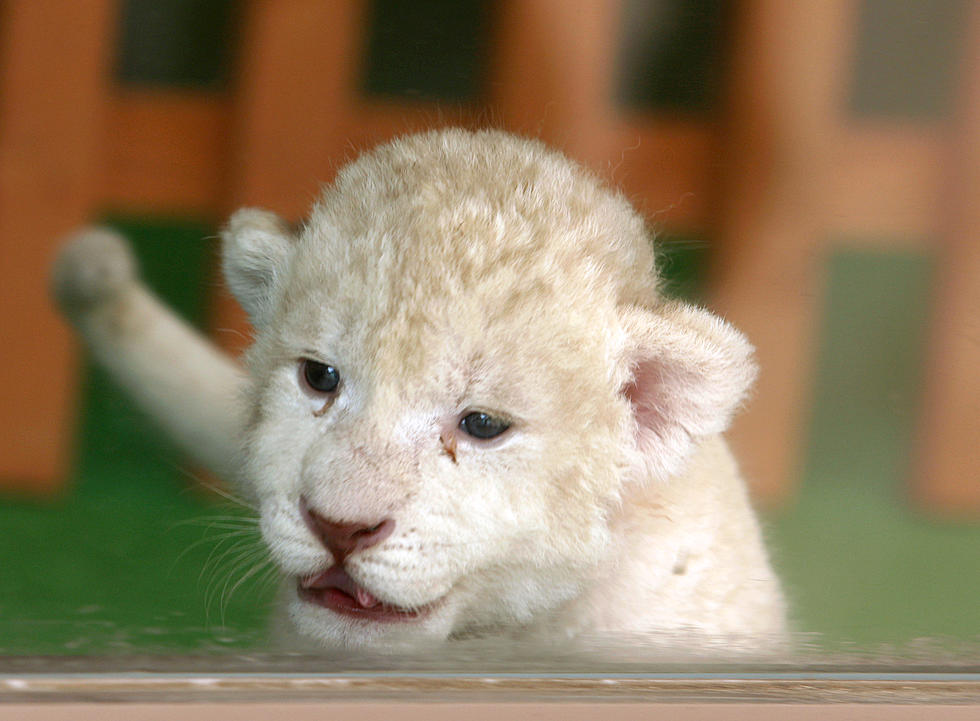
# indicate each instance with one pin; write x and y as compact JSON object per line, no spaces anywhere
{"x":335,"y":590}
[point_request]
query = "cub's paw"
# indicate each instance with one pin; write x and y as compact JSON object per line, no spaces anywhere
{"x":91,"y":269}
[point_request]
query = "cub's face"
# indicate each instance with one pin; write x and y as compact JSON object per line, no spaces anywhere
{"x":485,"y":456}
{"x":453,"y":382}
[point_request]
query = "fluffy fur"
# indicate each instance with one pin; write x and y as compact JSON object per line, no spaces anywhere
{"x":441,"y":274}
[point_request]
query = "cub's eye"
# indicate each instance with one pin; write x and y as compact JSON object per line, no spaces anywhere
{"x":319,"y":376}
{"x":483,"y":426}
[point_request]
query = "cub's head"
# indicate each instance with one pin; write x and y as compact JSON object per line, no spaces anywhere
{"x":462,"y":365}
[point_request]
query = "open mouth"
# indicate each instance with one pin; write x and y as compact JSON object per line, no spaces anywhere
{"x":334,"y":589}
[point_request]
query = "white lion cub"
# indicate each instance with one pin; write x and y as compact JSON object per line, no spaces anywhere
{"x":468,"y":408}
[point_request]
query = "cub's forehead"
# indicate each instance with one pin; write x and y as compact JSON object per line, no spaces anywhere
{"x":485,"y":330}
{"x":481,"y":240}
{"x":472,"y":209}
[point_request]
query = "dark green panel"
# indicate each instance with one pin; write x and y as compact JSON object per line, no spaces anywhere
{"x":672,"y":54}
{"x":681,"y":263}
{"x":127,"y":575}
{"x":185,"y":43}
{"x":869,"y":363}
{"x":119,"y":450}
{"x":126,"y":561}
{"x":907,"y":51}
{"x":859,"y":562}
{"x":432,"y":50}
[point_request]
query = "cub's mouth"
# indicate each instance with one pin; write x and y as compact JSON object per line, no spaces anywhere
{"x":335,"y":590}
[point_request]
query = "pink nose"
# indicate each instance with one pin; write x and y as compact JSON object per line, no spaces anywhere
{"x":343,"y":539}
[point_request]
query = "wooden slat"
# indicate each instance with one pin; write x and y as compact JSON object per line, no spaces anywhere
{"x":297,"y":82}
{"x":948,"y":467}
{"x":665,"y":167}
{"x":886,"y":183}
{"x":297,"y":75}
{"x":784,"y":104}
{"x":553,"y":72}
{"x":166,"y":152}
{"x":53,"y":62}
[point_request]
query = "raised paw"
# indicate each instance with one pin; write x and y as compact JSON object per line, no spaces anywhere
{"x":92,"y":268}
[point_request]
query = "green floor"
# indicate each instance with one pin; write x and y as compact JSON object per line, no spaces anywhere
{"x":132,"y":556}
{"x":136,"y":557}
{"x":859,"y":562}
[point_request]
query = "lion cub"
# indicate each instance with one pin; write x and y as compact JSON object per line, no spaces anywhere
{"x":468,"y":408}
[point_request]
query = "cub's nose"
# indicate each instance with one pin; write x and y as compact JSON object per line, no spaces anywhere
{"x":343,"y":539}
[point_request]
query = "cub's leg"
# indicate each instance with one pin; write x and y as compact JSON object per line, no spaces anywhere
{"x":185,"y":383}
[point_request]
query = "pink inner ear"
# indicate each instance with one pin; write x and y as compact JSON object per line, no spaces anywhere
{"x":662,"y":436}
{"x":645,"y":394}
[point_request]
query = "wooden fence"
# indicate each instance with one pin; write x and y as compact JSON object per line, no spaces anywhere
{"x":776,"y":182}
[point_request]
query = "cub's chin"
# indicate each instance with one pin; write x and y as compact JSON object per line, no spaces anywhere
{"x":332,"y":619}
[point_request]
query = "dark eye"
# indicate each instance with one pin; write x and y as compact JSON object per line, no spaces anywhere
{"x":320,"y":377}
{"x":483,"y":426}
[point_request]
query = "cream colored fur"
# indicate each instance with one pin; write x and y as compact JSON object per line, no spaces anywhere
{"x":440,"y":274}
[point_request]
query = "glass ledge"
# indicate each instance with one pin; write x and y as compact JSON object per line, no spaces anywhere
{"x":272,"y":678}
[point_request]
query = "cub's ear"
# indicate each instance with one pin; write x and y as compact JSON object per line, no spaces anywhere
{"x":688,"y":373}
{"x":256,"y":245}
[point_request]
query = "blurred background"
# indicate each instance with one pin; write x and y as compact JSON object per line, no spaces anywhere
{"x":811,"y":169}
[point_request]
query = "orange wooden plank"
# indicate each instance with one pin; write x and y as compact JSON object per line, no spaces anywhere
{"x":553,"y":72}
{"x":296,"y":88}
{"x":53,"y":62}
{"x":948,"y":463}
{"x":167,"y":152}
{"x":665,"y":167}
{"x":886,"y":182}
{"x":298,"y":70}
{"x":784,"y":102}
